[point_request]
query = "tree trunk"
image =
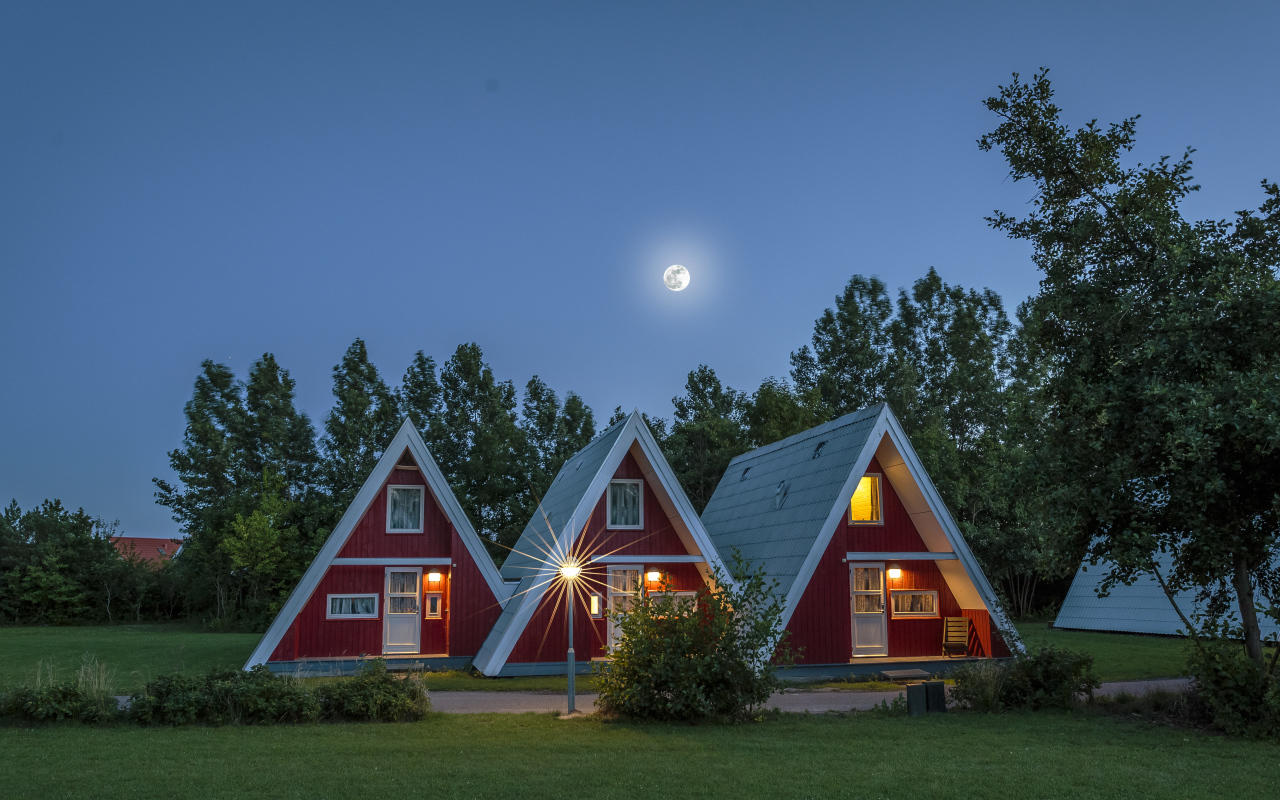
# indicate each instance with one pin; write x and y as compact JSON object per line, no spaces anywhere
{"x":1248,"y":614}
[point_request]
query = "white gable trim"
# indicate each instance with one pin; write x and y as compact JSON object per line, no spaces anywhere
{"x":887,"y":424}
{"x":406,"y":438}
{"x":634,"y":431}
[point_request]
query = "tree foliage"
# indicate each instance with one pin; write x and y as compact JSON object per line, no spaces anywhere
{"x":1162,"y":340}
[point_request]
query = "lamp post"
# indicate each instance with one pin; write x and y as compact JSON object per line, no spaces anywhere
{"x":570,"y":571}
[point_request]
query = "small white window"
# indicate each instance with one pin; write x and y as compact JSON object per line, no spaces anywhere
{"x":626,"y":504}
{"x":434,"y":605}
{"x":352,"y":606}
{"x":404,"y":509}
{"x":596,"y":606}
{"x":915,"y":604}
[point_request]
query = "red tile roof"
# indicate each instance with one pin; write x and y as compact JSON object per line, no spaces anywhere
{"x":155,"y":551}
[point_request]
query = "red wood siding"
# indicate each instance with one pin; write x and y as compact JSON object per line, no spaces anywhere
{"x":821,"y":626}
{"x":470,"y":607}
{"x":320,"y":637}
{"x":545,"y":637}
{"x":371,"y":540}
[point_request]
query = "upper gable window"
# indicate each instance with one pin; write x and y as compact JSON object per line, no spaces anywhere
{"x":626,"y":504}
{"x":404,"y":509}
{"x":866,"y":508}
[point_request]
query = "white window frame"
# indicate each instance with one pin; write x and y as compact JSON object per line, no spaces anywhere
{"x":328,"y":605}
{"x":869,"y":522}
{"x":608,"y":501}
{"x":426,"y":605}
{"x":422,"y":507}
{"x":893,"y":614}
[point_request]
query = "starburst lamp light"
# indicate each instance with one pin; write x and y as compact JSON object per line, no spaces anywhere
{"x":569,"y":571}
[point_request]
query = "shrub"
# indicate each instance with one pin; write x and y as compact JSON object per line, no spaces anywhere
{"x":375,"y":695}
{"x":86,"y":698}
{"x":1050,"y":677}
{"x":707,"y":659}
{"x":224,"y":696}
{"x":1238,"y":697}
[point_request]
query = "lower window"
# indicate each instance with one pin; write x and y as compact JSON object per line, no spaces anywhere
{"x":434,"y":605}
{"x":352,"y":606}
{"x":915,"y":604}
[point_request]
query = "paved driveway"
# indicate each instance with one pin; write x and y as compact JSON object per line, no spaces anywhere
{"x":815,"y":702}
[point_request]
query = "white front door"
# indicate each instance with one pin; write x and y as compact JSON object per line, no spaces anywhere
{"x":402,"y":611}
{"x":870,"y":628}
{"x":624,"y":588}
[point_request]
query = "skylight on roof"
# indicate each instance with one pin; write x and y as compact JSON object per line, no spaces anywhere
{"x":817,"y":451}
{"x":744,"y":474}
{"x":780,"y":495}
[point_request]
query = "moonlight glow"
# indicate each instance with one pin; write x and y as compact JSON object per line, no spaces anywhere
{"x":676,"y":277}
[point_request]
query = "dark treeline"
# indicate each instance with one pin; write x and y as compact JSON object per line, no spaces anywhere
{"x":259,"y":488}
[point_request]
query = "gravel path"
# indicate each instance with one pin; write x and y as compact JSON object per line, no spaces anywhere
{"x":815,"y":702}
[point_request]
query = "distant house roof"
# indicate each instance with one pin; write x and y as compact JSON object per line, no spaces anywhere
{"x":1141,"y":607}
{"x":155,"y":551}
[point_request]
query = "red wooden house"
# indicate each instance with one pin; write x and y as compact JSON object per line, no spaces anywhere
{"x":403,"y":576}
{"x":867,"y":557}
{"x":617,"y":509}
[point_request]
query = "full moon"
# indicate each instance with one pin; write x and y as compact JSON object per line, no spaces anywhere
{"x":676,"y":277}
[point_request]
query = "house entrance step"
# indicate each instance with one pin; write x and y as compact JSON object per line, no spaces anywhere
{"x":904,"y":674}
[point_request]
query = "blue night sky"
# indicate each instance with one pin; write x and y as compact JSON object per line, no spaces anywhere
{"x":182,"y":182}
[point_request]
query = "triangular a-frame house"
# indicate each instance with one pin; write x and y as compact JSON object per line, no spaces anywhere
{"x":617,"y":508}
{"x":871,"y":565}
{"x":403,"y":577}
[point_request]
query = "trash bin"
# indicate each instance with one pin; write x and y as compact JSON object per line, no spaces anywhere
{"x":917,"y":700}
{"x":935,"y":697}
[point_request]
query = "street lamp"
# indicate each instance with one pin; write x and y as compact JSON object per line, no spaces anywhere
{"x":570,"y":571}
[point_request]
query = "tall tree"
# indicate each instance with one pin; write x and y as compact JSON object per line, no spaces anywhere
{"x":555,"y":432}
{"x":1163,"y":335}
{"x":364,"y":417}
{"x":276,"y":436}
{"x":850,"y":364}
{"x":707,"y":433}
{"x":482,"y":449}
{"x":778,"y":410}
{"x":421,"y":396}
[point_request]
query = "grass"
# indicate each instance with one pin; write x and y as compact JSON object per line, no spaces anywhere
{"x":537,"y":756}
{"x":136,"y":653}
{"x":1116,"y":656}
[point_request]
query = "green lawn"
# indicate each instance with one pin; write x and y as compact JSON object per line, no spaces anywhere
{"x":1020,"y":756}
{"x":138,"y":652}
{"x":1116,"y":656}
{"x":135,"y":652}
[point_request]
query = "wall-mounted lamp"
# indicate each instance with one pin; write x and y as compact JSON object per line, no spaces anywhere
{"x":433,"y":577}
{"x":894,"y":572}
{"x":654,"y":577}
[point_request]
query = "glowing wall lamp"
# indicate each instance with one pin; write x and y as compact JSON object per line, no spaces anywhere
{"x":433,"y":577}
{"x":654,"y":576}
{"x":894,"y":572}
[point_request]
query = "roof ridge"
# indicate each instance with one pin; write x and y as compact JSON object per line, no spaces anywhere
{"x":826,"y":427}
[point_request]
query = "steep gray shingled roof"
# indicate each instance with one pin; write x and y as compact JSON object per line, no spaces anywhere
{"x":744,"y":514}
{"x":562,"y":497}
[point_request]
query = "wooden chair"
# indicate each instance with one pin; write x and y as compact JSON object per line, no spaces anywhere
{"x":955,"y":636}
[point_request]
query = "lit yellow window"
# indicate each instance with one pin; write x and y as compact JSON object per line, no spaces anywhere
{"x":865,"y":507}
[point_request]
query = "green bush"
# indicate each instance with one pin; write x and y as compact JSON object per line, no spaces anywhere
{"x":375,"y":695}
{"x":1049,"y":677}
{"x":224,"y":696}
{"x":707,"y":659}
{"x":1239,"y":698}
{"x":86,"y":698}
